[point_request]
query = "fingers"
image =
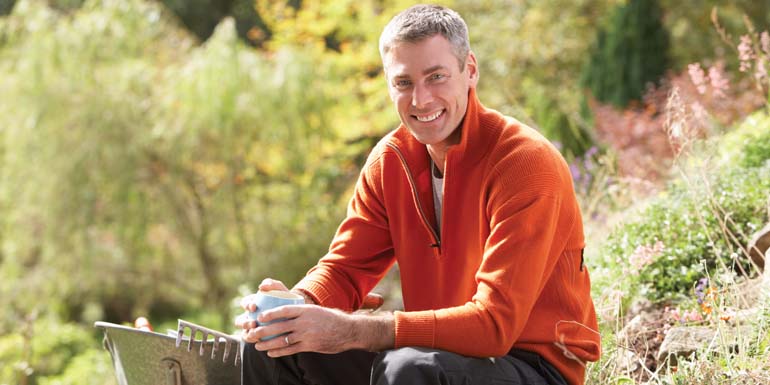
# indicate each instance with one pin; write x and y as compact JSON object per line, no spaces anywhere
{"x":249,"y":336}
{"x":247,"y":303}
{"x":284,"y":344}
{"x":263,"y":339}
{"x":251,"y":332}
{"x":286,"y":311}
{"x":286,"y":317}
{"x":272,"y":284}
{"x":245,"y":322}
{"x":276,"y":343}
{"x":284,"y":349}
{"x":256,"y":334}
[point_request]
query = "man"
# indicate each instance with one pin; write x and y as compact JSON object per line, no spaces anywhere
{"x":479,"y":212}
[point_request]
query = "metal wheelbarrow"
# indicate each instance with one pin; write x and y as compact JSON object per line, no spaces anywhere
{"x":142,"y":357}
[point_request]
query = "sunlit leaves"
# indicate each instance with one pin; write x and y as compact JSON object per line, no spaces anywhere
{"x":144,"y":174}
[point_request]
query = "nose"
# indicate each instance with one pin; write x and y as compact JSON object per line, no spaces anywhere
{"x":421,"y":96}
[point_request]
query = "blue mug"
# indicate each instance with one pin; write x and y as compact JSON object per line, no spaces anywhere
{"x":266,"y":300}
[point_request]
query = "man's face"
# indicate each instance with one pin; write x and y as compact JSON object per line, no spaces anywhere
{"x":429,"y":89}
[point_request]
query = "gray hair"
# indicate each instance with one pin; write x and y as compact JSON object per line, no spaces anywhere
{"x":423,"y":21}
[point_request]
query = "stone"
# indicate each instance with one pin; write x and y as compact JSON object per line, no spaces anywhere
{"x":683,"y":341}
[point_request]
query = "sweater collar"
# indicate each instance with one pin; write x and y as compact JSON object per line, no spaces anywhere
{"x":472,"y":141}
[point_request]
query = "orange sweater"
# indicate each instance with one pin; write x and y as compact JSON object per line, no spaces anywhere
{"x":505,"y":272}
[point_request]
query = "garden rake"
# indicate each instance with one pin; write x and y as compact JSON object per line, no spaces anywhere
{"x":220,"y":338}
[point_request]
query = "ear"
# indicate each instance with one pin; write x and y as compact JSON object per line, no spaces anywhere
{"x":473,"y":69}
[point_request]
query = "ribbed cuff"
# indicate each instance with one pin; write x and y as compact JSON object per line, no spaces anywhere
{"x":417,"y":328}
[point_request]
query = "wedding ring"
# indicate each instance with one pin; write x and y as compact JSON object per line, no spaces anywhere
{"x":286,"y":339}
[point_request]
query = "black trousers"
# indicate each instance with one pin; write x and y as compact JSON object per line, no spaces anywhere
{"x":400,"y":366}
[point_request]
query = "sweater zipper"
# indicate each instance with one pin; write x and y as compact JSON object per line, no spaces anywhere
{"x":437,"y":241}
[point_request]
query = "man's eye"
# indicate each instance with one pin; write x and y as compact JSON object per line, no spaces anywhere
{"x":436,"y":76}
{"x":402,"y":83}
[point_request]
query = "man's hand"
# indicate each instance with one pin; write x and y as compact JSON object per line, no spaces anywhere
{"x":247,"y":303}
{"x":312,"y":328}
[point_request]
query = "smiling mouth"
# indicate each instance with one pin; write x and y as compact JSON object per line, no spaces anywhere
{"x":429,"y":118}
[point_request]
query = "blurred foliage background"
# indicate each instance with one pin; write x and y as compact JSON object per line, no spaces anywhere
{"x":161,"y":158}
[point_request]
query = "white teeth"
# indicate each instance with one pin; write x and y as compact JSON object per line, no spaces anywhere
{"x":429,"y":117}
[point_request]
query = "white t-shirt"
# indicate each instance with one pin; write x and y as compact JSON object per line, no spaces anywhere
{"x":438,"y":192}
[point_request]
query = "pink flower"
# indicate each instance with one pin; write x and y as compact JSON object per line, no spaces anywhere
{"x":699,"y":112}
{"x":692,"y":316}
{"x":697,"y":76}
{"x":673,"y":313}
{"x":745,"y":53}
{"x":645,"y":255}
{"x":765,"y":40}
{"x":683,"y":317}
{"x":719,"y":83}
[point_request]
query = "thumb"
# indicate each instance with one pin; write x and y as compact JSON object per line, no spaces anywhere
{"x":272,"y":284}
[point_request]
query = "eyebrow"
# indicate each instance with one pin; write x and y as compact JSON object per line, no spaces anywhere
{"x":433,"y":69}
{"x":424,"y":72}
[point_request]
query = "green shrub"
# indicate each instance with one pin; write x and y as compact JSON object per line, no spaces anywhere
{"x":46,"y":348}
{"x":92,"y":367}
{"x":702,"y":222}
{"x":163,"y":173}
{"x":753,"y":140}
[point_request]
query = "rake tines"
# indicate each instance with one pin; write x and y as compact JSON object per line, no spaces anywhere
{"x":219,"y":338}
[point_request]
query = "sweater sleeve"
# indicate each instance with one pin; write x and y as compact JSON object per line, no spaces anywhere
{"x":361,"y":251}
{"x":529,"y":227}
